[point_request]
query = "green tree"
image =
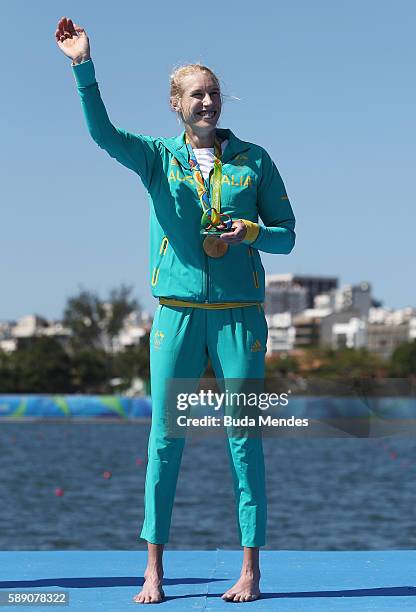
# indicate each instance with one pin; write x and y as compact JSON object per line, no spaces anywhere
{"x":8,"y":383}
{"x":132,"y":362}
{"x":94,"y":323}
{"x":403,"y":360}
{"x":41,"y":366}
{"x":120,"y":306}
{"x":84,"y":315}
{"x":91,"y":371}
{"x":282,"y":365}
{"x":349,"y":362}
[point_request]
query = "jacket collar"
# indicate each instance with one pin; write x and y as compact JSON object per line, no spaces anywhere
{"x":178,"y":147}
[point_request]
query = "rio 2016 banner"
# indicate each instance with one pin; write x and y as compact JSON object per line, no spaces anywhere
{"x":73,"y":406}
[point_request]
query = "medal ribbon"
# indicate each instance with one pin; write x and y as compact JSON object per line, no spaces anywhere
{"x":201,"y":187}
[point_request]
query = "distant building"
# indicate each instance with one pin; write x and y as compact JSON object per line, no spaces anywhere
{"x":358,"y":297}
{"x":349,"y":297}
{"x":339,"y":321}
{"x":312,"y":284}
{"x":282,"y":295}
{"x":19,"y":334}
{"x":308,"y":327}
{"x":7,"y":343}
{"x":281,"y":337}
{"x":391,"y":317}
{"x":384,"y":339}
{"x":34,"y":326}
{"x":135,"y":328}
{"x":57,"y":331}
{"x":349,"y":335}
{"x":29,"y":326}
{"x":389,"y":328}
{"x":412,"y":329}
{"x":8,"y":346}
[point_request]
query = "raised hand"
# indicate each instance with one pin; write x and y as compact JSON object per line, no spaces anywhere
{"x":72,"y":40}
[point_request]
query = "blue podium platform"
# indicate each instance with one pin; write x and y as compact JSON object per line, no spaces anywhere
{"x":294,"y":581}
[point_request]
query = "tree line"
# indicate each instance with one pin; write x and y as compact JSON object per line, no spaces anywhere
{"x":346,"y":362}
{"x":88,"y":362}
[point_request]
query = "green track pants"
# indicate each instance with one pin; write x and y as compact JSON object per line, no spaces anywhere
{"x":181,"y":341}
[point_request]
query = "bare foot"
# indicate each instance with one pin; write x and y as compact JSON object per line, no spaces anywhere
{"x":245,"y":589}
{"x":152,"y":591}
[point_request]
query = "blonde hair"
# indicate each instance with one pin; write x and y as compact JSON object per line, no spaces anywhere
{"x":183,"y":71}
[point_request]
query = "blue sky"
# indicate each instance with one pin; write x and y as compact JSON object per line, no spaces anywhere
{"x":326,"y":87}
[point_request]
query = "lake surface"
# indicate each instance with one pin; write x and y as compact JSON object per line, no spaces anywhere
{"x":324,"y":494}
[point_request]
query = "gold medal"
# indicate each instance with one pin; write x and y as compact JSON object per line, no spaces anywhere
{"x":214,"y":247}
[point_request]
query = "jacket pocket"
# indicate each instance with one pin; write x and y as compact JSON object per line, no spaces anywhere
{"x":253,"y":268}
{"x":162,"y":252}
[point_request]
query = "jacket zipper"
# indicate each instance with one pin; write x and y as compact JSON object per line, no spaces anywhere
{"x":206,"y":273}
{"x":253,"y":268}
{"x":207,"y":276}
{"x":162,"y":252}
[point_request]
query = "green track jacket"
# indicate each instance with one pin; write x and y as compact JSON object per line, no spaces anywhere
{"x":251,"y":187}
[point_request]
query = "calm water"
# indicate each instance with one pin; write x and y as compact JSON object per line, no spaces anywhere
{"x":324,"y":494}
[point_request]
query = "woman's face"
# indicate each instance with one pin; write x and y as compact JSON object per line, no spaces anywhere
{"x":200,"y":103}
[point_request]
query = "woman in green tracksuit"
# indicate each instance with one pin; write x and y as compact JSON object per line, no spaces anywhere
{"x":210,"y":287}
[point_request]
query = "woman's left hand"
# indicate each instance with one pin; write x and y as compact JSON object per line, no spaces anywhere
{"x":237,"y":234}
